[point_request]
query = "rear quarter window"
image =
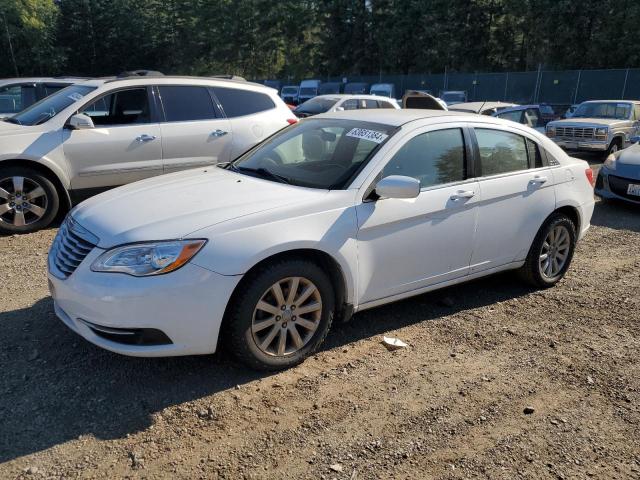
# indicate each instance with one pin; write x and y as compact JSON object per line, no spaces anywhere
{"x":237,"y":102}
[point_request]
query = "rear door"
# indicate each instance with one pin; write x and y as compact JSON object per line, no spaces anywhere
{"x":194,"y":132}
{"x":517,"y":195}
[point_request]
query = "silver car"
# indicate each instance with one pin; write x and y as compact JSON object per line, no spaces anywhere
{"x":598,"y":126}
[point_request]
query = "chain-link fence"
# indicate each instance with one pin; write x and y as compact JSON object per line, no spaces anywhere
{"x":553,"y":87}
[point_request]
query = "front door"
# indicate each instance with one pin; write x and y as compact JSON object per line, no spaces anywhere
{"x":194,"y":134}
{"x":125,"y":145}
{"x":407,"y":244}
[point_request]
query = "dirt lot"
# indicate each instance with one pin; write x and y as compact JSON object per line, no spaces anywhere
{"x":449,"y":406}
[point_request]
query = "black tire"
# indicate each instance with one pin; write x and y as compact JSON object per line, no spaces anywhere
{"x":531,"y":271}
{"x":616,"y":145}
{"x":49,"y":201}
{"x":237,"y":329}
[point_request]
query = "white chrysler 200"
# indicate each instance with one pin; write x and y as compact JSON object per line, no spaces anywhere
{"x":339,"y":213}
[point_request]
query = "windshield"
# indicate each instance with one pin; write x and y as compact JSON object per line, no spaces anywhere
{"x":614,"y":110}
{"x":49,"y":107}
{"x":308,"y":91}
{"x":453,"y":97}
{"x":290,"y":90}
{"x":316,"y":105}
{"x":316,"y":153}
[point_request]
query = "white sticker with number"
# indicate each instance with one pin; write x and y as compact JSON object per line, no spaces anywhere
{"x":365,"y":134}
{"x":75,"y":96}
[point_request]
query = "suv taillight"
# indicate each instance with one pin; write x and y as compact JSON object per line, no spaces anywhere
{"x":589,"y":173}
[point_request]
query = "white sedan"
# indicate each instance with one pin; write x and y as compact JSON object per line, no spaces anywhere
{"x":339,"y":213}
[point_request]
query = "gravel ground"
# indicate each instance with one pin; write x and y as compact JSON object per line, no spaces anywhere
{"x":498,"y":381}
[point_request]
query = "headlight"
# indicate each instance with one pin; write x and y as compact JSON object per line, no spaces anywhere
{"x":610,"y":162}
{"x":144,"y":259}
{"x":602,"y":131}
{"x":551,"y":131}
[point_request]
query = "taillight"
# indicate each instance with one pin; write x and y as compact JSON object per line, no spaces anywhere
{"x":589,"y":173}
{"x":291,"y":121}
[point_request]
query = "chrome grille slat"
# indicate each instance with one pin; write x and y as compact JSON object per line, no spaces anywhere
{"x":70,"y":247}
{"x":576,"y":132}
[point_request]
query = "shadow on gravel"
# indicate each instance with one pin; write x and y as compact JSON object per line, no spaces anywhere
{"x":617,"y":215}
{"x":55,"y":386}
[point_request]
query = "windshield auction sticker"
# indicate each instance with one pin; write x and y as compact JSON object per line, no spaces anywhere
{"x":371,"y":135}
{"x":75,"y":96}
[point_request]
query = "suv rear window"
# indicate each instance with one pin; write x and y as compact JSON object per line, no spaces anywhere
{"x":182,"y":103}
{"x":237,"y":103}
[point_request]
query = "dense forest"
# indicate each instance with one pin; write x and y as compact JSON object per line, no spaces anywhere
{"x":300,"y":38}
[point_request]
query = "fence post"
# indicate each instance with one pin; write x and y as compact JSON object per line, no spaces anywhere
{"x":506,"y":84}
{"x":444,"y":87}
{"x":538,"y":80}
{"x":624,"y":87}
{"x":575,"y":94}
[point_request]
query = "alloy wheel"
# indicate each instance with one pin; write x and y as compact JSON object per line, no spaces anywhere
{"x":286,"y":316}
{"x":555,"y":251}
{"x":23,"y":201}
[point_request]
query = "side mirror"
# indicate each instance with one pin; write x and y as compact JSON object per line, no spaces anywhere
{"x":398,"y":186}
{"x":635,"y":139}
{"x":80,"y":121}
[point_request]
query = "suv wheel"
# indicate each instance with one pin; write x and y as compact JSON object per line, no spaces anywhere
{"x":551,"y":253}
{"x":28,"y":200}
{"x":280,"y":315}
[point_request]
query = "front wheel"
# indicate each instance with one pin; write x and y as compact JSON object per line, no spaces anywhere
{"x":280,"y":314}
{"x":28,"y":200}
{"x":551,"y":252}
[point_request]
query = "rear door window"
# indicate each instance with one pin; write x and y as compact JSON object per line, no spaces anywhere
{"x":501,"y":152}
{"x":237,"y":102}
{"x":183,"y":103}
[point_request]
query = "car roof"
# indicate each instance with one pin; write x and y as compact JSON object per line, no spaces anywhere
{"x":172,"y":80}
{"x":611,"y":101}
{"x":4,"y":81}
{"x":394,"y":117}
{"x":361,"y":96}
{"x":476,"y":106}
{"x":515,"y":108}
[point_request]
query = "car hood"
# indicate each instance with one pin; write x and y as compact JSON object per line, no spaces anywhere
{"x":582,"y":122}
{"x":7,"y":128}
{"x":628,"y":163}
{"x":172,"y":206}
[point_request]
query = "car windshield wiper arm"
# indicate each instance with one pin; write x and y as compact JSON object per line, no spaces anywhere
{"x":263,"y":172}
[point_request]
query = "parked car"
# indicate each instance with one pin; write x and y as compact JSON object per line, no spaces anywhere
{"x":331,"y":87}
{"x":289,"y":94}
{"x":604,"y":126}
{"x":451,"y":97}
{"x":619,"y":177}
{"x":481,"y":108}
{"x":383,"y":90}
{"x":422,"y":99}
{"x":356,"y":88}
{"x":534,"y":116}
{"x":108,"y":132}
{"x":308,"y":89}
{"x":335,"y":103}
{"x":16,"y":94}
{"x":336,"y":214}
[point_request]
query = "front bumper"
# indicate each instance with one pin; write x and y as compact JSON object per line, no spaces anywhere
{"x":187,"y":306}
{"x":593,"y":146}
{"x":614,"y":188}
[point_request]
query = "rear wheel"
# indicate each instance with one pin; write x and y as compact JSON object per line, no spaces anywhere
{"x":28,"y":200}
{"x":551,"y":252}
{"x":280,"y":314}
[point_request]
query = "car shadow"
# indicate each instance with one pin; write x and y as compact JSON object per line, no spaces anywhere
{"x":55,"y":386}
{"x":616,"y":214}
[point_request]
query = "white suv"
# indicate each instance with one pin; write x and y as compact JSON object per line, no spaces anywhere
{"x":103,"y":133}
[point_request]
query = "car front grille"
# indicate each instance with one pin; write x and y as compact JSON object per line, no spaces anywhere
{"x":620,"y":186}
{"x":575,"y":132}
{"x":70,"y":247}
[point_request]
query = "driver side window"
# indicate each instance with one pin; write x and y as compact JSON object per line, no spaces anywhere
{"x":123,"y":107}
{"x":433,"y":158}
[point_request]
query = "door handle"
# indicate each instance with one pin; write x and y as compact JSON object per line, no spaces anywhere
{"x":145,"y":138}
{"x":462,"y":194}
{"x":218,"y":133}
{"x":538,"y":180}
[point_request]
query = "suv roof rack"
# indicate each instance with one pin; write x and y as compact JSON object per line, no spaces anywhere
{"x":140,"y":73}
{"x":229,"y":77}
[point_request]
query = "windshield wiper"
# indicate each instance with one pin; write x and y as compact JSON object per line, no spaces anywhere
{"x":263,"y":172}
{"x":12,"y":120}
